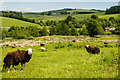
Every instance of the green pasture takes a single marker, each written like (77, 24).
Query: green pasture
(116, 16)
(7, 22)
(71, 61)
(60, 17)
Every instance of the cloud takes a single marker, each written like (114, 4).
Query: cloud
(61, 0)
(1, 1)
(28, 9)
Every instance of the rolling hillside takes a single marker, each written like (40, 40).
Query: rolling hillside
(60, 17)
(110, 15)
(7, 22)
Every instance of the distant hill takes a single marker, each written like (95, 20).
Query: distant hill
(108, 16)
(64, 11)
(7, 22)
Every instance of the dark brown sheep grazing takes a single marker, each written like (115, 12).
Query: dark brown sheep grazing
(16, 57)
(42, 44)
(92, 49)
(73, 41)
(105, 42)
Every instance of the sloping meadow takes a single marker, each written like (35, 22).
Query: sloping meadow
(68, 60)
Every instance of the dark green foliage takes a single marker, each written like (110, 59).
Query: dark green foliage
(49, 13)
(16, 15)
(20, 37)
(52, 30)
(74, 31)
(68, 19)
(117, 30)
(64, 12)
(111, 19)
(44, 31)
(62, 29)
(83, 12)
(113, 10)
(83, 31)
(21, 32)
(93, 27)
(94, 16)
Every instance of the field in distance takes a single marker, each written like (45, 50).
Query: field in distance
(7, 22)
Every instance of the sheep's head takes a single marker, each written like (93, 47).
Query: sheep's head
(87, 46)
(30, 51)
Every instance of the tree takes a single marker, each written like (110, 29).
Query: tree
(49, 13)
(69, 18)
(94, 16)
(62, 29)
(93, 27)
(74, 31)
(83, 31)
(44, 31)
(111, 19)
(52, 30)
(113, 10)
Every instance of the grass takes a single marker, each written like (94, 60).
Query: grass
(67, 62)
(60, 17)
(7, 22)
(116, 16)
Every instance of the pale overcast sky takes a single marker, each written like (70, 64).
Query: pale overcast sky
(46, 5)
(60, 0)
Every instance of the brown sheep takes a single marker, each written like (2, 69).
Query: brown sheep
(43, 49)
(92, 49)
(16, 57)
(42, 44)
(105, 42)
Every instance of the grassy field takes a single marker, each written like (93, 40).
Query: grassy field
(7, 22)
(60, 17)
(116, 16)
(71, 61)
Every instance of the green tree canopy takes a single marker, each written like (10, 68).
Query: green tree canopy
(93, 27)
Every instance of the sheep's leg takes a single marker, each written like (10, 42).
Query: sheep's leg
(4, 66)
(21, 66)
(24, 65)
(13, 66)
(8, 69)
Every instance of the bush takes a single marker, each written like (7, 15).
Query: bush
(94, 16)
(116, 32)
(107, 33)
(30, 38)
(20, 37)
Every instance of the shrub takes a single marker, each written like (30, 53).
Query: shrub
(30, 38)
(94, 16)
(107, 33)
(20, 37)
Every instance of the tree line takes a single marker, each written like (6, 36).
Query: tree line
(69, 27)
(16, 15)
(113, 10)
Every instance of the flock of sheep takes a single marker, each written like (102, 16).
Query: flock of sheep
(23, 56)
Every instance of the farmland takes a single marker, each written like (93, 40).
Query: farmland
(60, 17)
(7, 22)
(64, 35)
(70, 60)
(108, 16)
